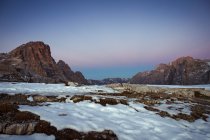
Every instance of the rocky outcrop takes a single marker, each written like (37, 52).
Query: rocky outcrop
(32, 62)
(69, 74)
(183, 71)
(144, 89)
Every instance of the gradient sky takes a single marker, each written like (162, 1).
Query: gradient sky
(109, 38)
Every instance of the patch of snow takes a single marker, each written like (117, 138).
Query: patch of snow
(26, 137)
(50, 89)
(96, 98)
(174, 108)
(68, 100)
(125, 121)
(207, 86)
(30, 98)
(61, 96)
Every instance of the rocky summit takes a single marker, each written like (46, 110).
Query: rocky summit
(183, 71)
(32, 62)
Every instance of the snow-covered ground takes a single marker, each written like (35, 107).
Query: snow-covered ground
(61, 89)
(207, 86)
(175, 107)
(126, 122)
(50, 89)
(27, 137)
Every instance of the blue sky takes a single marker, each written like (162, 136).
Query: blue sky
(109, 38)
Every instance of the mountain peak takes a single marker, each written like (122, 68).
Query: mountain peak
(182, 71)
(33, 61)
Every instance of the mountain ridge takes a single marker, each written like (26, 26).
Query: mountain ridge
(182, 71)
(32, 62)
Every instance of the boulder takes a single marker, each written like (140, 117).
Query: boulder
(73, 84)
(20, 128)
(40, 98)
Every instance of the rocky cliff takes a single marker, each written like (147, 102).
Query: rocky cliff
(32, 62)
(69, 74)
(183, 71)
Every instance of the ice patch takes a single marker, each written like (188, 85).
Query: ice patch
(30, 98)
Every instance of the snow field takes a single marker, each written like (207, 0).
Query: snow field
(126, 122)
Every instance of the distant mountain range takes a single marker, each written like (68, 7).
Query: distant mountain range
(108, 81)
(182, 71)
(32, 62)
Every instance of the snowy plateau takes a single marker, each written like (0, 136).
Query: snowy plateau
(129, 121)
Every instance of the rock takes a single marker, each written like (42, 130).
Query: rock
(164, 114)
(151, 108)
(25, 116)
(32, 62)
(40, 98)
(73, 84)
(182, 116)
(79, 98)
(75, 77)
(20, 128)
(183, 71)
(137, 88)
(110, 101)
(2, 126)
(104, 135)
(149, 102)
(7, 107)
(14, 99)
(45, 127)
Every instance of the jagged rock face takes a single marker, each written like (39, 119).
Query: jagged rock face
(36, 57)
(183, 71)
(31, 62)
(66, 70)
(69, 74)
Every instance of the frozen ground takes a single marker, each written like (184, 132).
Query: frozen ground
(131, 122)
(126, 122)
(50, 89)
